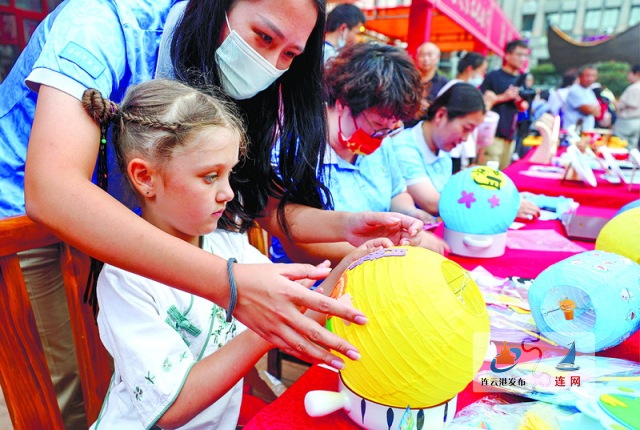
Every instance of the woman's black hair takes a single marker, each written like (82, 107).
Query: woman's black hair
(290, 111)
(472, 59)
(459, 100)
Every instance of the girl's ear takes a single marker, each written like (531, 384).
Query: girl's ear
(142, 176)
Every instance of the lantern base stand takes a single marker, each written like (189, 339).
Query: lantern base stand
(476, 245)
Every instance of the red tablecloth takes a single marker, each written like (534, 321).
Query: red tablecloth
(604, 195)
(287, 412)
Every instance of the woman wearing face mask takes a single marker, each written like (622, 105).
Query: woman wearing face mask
(471, 69)
(370, 88)
(423, 151)
(112, 45)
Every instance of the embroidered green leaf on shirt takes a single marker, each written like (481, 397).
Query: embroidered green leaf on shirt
(166, 365)
(150, 378)
(223, 331)
(138, 393)
(183, 356)
(181, 323)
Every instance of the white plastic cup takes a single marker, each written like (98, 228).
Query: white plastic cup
(495, 165)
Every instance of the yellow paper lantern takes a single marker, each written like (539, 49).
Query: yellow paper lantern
(621, 235)
(427, 331)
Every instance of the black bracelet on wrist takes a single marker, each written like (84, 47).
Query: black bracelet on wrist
(233, 289)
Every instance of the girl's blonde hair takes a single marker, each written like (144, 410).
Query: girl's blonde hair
(155, 119)
(158, 117)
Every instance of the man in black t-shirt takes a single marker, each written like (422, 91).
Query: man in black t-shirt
(427, 61)
(504, 83)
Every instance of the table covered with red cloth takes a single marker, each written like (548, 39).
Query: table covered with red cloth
(287, 412)
(605, 194)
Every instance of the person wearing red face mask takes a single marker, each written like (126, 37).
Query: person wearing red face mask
(370, 89)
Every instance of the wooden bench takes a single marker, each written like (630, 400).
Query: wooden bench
(24, 374)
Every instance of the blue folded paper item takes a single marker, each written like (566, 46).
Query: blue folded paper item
(558, 205)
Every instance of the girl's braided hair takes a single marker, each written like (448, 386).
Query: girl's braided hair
(158, 117)
(155, 119)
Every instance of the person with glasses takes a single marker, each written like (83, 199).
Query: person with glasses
(267, 59)
(370, 89)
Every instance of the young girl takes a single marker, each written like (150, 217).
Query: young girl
(179, 359)
(264, 56)
(423, 151)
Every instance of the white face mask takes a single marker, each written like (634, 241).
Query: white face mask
(342, 41)
(243, 71)
(476, 80)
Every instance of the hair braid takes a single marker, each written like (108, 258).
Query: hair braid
(105, 112)
(150, 121)
(102, 110)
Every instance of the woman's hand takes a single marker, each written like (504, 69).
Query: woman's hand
(269, 303)
(528, 210)
(398, 228)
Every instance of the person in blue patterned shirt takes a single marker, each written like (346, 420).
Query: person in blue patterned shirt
(268, 60)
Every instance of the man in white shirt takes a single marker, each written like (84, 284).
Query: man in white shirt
(627, 126)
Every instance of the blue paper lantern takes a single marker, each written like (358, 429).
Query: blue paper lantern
(477, 206)
(591, 298)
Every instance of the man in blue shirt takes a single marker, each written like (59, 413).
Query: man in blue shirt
(581, 103)
(70, 52)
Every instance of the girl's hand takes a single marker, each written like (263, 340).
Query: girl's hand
(372, 245)
(269, 303)
(363, 226)
(330, 281)
(308, 283)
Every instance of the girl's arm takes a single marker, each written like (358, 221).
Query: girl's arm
(211, 377)
(59, 193)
